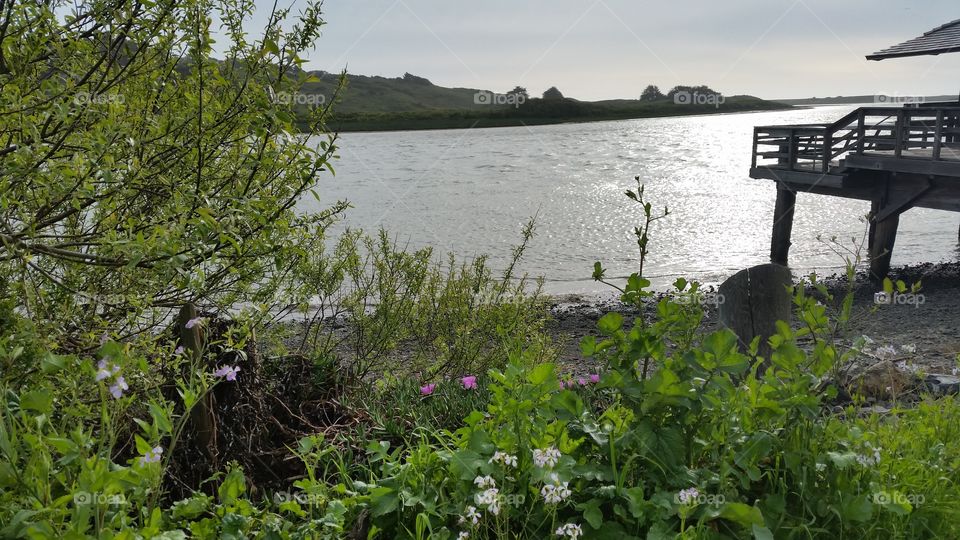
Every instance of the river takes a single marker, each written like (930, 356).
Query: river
(470, 191)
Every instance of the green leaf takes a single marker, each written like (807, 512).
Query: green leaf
(384, 501)
(540, 374)
(592, 513)
(40, 401)
(762, 533)
(610, 323)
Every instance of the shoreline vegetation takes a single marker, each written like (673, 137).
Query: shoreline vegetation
(572, 112)
(410, 102)
(151, 247)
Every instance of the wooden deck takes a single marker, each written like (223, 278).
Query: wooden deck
(897, 158)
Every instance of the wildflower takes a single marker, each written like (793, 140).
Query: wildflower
(485, 482)
(546, 458)
(910, 348)
(193, 322)
(688, 496)
(562, 385)
(469, 382)
(869, 460)
(594, 378)
(887, 352)
(152, 456)
(106, 369)
(471, 515)
(555, 492)
(582, 381)
(178, 351)
(908, 367)
(464, 535)
(230, 372)
(491, 499)
(505, 458)
(570, 529)
(118, 387)
(427, 389)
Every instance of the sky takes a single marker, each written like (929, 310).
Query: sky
(607, 49)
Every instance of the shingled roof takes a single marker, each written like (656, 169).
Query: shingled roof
(943, 39)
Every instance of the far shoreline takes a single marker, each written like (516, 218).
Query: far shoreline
(491, 122)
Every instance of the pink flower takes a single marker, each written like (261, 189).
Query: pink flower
(469, 382)
(562, 385)
(427, 389)
(582, 381)
(193, 322)
(230, 372)
(594, 378)
(179, 350)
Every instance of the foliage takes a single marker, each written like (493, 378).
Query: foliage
(651, 93)
(137, 172)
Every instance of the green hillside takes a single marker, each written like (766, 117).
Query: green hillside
(410, 102)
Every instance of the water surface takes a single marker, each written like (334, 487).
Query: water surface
(470, 191)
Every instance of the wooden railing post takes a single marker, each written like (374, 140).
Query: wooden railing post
(898, 134)
(827, 149)
(792, 150)
(861, 130)
(938, 136)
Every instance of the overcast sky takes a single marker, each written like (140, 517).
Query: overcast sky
(602, 49)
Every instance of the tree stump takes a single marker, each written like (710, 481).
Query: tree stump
(753, 301)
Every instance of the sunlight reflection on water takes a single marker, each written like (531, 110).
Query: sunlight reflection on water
(470, 191)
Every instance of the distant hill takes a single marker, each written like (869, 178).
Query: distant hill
(411, 102)
(878, 99)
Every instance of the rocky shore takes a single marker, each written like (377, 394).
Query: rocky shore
(910, 335)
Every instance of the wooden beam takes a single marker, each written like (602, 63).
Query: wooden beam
(883, 238)
(782, 225)
(902, 201)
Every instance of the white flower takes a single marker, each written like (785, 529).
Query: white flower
(570, 529)
(955, 371)
(463, 535)
(910, 348)
(555, 492)
(908, 367)
(887, 352)
(488, 496)
(472, 515)
(688, 496)
(867, 460)
(505, 458)
(485, 482)
(546, 458)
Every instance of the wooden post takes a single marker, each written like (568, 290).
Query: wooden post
(753, 300)
(884, 235)
(202, 414)
(874, 210)
(782, 225)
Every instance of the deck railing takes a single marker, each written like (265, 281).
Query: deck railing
(930, 132)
